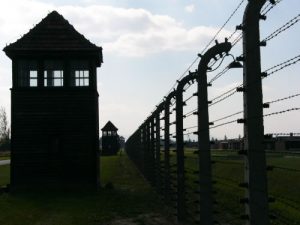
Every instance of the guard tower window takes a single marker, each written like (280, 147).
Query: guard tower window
(81, 78)
(53, 74)
(80, 75)
(27, 73)
(33, 78)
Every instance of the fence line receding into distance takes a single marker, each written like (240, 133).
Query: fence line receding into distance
(250, 179)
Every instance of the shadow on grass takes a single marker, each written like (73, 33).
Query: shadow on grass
(130, 197)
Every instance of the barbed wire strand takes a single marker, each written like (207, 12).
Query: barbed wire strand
(272, 70)
(189, 98)
(192, 132)
(237, 40)
(284, 134)
(226, 92)
(269, 7)
(190, 113)
(222, 99)
(266, 6)
(232, 34)
(222, 124)
(195, 60)
(219, 75)
(283, 99)
(221, 28)
(270, 102)
(281, 66)
(187, 128)
(265, 115)
(226, 117)
(281, 112)
(283, 28)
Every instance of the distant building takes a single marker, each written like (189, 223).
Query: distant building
(54, 107)
(285, 142)
(110, 139)
(275, 142)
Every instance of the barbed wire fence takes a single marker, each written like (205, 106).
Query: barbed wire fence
(239, 180)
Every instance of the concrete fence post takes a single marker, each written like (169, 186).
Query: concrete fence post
(205, 174)
(157, 151)
(256, 194)
(181, 185)
(167, 175)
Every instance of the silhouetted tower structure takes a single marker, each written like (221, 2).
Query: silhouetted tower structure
(54, 107)
(110, 139)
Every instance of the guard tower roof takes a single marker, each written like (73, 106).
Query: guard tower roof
(109, 126)
(53, 33)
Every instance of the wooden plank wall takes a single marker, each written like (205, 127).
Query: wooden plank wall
(55, 137)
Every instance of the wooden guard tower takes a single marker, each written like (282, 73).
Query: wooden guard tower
(54, 107)
(110, 139)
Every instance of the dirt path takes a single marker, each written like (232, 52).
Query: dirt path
(144, 219)
(4, 162)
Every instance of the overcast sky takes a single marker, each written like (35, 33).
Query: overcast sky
(147, 45)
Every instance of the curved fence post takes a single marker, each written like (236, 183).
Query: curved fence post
(181, 207)
(157, 150)
(143, 156)
(256, 202)
(148, 150)
(167, 175)
(205, 180)
(152, 151)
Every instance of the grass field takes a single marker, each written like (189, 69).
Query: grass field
(228, 172)
(4, 155)
(131, 197)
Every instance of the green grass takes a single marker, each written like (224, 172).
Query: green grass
(130, 198)
(284, 185)
(4, 155)
(228, 172)
(4, 175)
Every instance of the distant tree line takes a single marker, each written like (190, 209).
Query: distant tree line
(4, 131)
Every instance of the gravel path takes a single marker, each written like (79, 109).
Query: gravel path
(4, 162)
